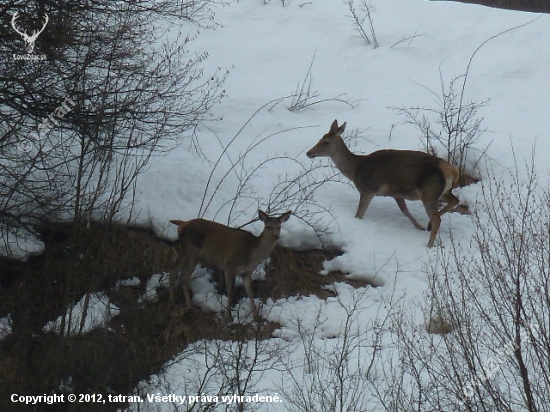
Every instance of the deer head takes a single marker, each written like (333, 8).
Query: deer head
(29, 40)
(330, 143)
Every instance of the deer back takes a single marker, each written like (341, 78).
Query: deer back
(219, 247)
(399, 173)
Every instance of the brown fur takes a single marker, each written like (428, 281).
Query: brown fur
(401, 174)
(181, 225)
(450, 172)
(233, 251)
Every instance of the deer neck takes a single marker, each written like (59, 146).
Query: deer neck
(346, 161)
(264, 245)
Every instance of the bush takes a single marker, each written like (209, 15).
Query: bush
(494, 296)
(78, 127)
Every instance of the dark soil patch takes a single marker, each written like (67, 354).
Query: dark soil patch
(293, 273)
(82, 260)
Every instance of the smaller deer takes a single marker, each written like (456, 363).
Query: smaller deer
(233, 251)
(401, 174)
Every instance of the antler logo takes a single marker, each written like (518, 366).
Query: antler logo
(29, 40)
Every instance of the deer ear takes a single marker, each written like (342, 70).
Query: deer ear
(284, 217)
(334, 127)
(342, 128)
(262, 215)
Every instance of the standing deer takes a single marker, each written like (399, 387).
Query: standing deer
(29, 40)
(401, 174)
(232, 251)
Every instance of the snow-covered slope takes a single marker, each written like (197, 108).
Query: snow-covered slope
(269, 49)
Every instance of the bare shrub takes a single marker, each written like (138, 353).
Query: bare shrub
(406, 39)
(453, 125)
(291, 191)
(494, 293)
(224, 372)
(132, 94)
(359, 17)
(338, 372)
(305, 96)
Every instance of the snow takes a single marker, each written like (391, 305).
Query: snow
(5, 327)
(96, 313)
(134, 281)
(268, 49)
(155, 281)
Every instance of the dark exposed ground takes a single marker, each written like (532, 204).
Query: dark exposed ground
(539, 6)
(142, 337)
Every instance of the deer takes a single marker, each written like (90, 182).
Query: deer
(401, 174)
(235, 252)
(29, 40)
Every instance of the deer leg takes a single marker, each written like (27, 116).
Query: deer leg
(451, 201)
(435, 220)
(364, 200)
(174, 273)
(247, 281)
(229, 286)
(186, 284)
(222, 280)
(184, 269)
(403, 207)
(435, 216)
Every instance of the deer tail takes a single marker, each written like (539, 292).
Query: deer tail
(180, 224)
(456, 176)
(451, 175)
